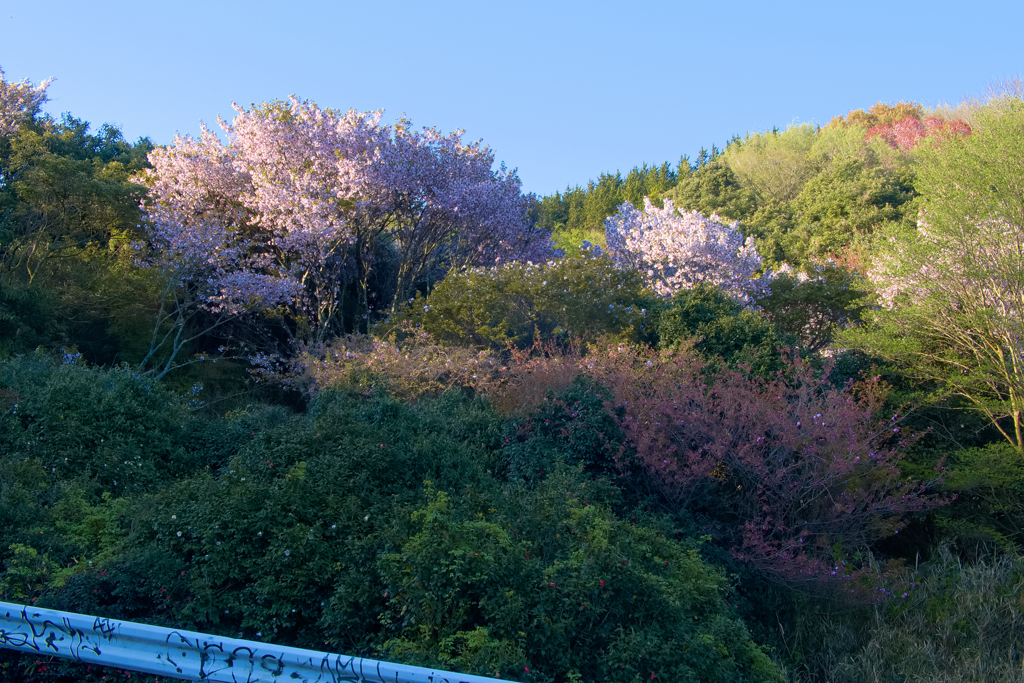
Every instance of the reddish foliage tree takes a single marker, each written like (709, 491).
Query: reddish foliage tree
(908, 131)
(802, 475)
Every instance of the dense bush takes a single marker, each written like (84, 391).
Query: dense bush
(800, 477)
(719, 327)
(600, 599)
(113, 429)
(76, 444)
(815, 305)
(372, 527)
(580, 297)
(408, 368)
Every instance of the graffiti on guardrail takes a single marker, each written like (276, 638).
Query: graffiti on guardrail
(195, 656)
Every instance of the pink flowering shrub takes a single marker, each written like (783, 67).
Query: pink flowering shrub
(797, 476)
(801, 475)
(679, 250)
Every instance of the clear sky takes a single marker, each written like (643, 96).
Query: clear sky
(560, 90)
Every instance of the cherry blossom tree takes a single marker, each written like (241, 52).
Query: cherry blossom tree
(301, 201)
(19, 101)
(434, 201)
(680, 249)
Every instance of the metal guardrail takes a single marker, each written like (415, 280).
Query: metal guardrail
(191, 656)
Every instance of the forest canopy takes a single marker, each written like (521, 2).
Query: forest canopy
(322, 381)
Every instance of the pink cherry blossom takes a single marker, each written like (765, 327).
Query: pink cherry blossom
(679, 250)
(907, 132)
(301, 201)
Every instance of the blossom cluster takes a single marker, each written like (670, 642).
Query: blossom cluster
(681, 249)
(19, 101)
(299, 201)
(976, 267)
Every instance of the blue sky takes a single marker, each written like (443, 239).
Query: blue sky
(560, 90)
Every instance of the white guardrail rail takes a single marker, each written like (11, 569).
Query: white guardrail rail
(190, 656)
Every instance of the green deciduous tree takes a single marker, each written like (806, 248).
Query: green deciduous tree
(953, 289)
(63, 189)
(816, 305)
(843, 204)
(775, 165)
(67, 216)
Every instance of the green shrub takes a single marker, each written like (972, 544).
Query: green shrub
(78, 446)
(113, 428)
(549, 585)
(719, 327)
(321, 532)
(580, 297)
(988, 513)
(812, 307)
(570, 427)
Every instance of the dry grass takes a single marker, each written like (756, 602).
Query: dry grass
(530, 374)
(408, 369)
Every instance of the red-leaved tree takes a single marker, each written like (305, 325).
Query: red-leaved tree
(799, 475)
(907, 132)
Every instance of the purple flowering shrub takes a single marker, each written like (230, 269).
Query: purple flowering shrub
(806, 475)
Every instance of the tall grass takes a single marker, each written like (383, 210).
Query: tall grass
(961, 622)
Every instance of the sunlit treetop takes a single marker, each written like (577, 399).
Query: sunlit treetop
(881, 114)
(19, 101)
(901, 125)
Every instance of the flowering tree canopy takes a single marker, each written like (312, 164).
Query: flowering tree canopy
(908, 131)
(680, 249)
(19, 101)
(302, 201)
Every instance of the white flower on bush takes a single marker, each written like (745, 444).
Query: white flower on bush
(681, 249)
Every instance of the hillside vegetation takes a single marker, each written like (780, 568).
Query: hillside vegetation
(325, 382)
